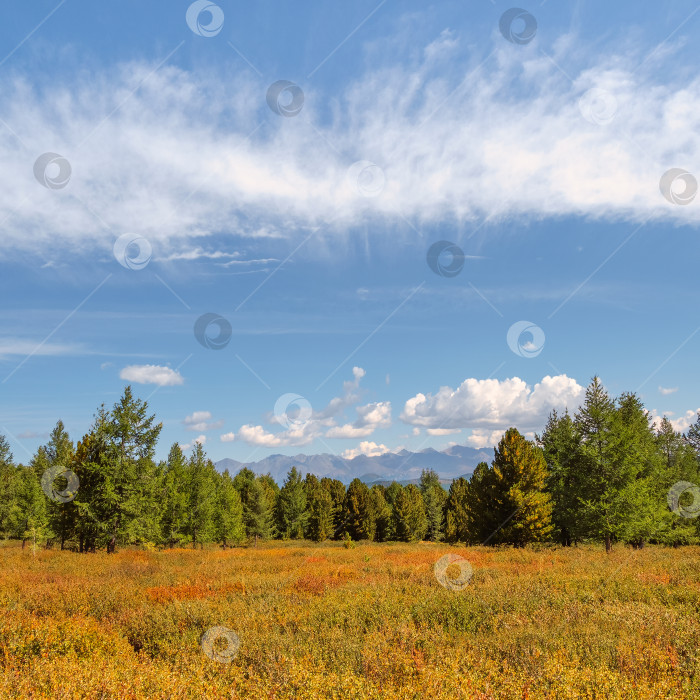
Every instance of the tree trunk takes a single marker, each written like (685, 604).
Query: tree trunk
(608, 543)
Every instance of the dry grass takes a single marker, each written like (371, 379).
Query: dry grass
(322, 621)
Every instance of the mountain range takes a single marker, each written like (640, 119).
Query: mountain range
(403, 466)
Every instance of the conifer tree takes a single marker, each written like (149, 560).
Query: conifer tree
(434, 498)
(228, 512)
(516, 509)
(410, 522)
(319, 525)
(292, 512)
(456, 514)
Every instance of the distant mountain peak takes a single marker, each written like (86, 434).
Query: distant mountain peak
(403, 466)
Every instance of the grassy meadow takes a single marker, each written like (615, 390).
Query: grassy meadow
(372, 621)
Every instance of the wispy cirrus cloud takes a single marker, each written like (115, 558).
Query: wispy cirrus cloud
(185, 162)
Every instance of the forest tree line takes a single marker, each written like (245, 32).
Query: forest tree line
(604, 474)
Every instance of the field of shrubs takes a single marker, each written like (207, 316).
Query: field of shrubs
(365, 620)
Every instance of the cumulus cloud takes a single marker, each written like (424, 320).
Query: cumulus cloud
(370, 417)
(541, 151)
(666, 391)
(227, 437)
(151, 374)
(201, 440)
(493, 403)
(324, 423)
(368, 449)
(442, 431)
(680, 424)
(199, 422)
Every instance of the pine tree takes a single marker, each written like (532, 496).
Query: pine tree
(410, 522)
(360, 519)
(516, 509)
(336, 489)
(434, 498)
(228, 512)
(595, 422)
(201, 498)
(679, 464)
(692, 437)
(456, 514)
(292, 514)
(175, 498)
(257, 514)
(319, 525)
(383, 514)
(561, 443)
(58, 452)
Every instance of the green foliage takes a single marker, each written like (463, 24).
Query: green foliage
(456, 515)
(434, 498)
(292, 514)
(604, 474)
(507, 502)
(360, 518)
(410, 521)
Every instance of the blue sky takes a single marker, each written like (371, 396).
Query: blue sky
(541, 161)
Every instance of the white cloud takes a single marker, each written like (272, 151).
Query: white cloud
(258, 436)
(368, 449)
(665, 392)
(227, 437)
(199, 422)
(680, 424)
(484, 438)
(535, 155)
(370, 417)
(493, 403)
(202, 439)
(442, 431)
(24, 347)
(151, 374)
